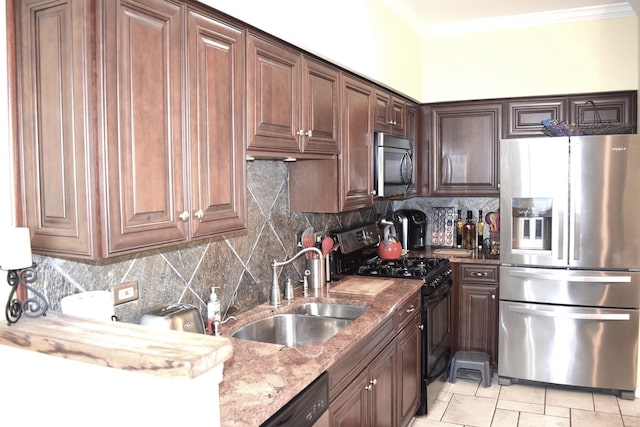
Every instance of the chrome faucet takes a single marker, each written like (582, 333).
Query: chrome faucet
(275, 299)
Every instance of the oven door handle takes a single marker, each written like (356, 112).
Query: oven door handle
(564, 315)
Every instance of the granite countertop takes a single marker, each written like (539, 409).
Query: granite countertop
(475, 256)
(260, 378)
(135, 348)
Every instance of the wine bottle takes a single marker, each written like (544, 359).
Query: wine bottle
(469, 232)
(480, 229)
(459, 225)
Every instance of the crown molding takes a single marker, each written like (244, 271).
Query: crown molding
(590, 13)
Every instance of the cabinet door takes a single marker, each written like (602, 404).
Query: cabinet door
(525, 116)
(273, 96)
(390, 114)
(215, 53)
(56, 134)
(479, 319)
(409, 370)
(465, 142)
(320, 103)
(356, 170)
(609, 108)
(382, 388)
(143, 140)
(351, 408)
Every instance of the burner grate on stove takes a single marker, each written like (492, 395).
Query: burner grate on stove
(417, 268)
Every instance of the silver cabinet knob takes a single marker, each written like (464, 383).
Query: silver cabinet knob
(309, 133)
(300, 132)
(199, 214)
(184, 216)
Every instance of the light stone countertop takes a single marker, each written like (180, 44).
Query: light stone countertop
(261, 378)
(135, 348)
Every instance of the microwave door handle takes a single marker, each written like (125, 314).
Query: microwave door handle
(406, 163)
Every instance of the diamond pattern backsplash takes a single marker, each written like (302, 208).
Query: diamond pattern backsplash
(239, 263)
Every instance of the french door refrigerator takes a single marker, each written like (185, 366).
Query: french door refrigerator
(570, 261)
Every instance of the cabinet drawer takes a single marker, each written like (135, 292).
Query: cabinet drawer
(405, 313)
(479, 273)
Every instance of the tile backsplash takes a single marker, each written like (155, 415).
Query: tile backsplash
(238, 263)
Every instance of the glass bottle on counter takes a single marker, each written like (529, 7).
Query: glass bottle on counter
(480, 229)
(459, 226)
(469, 232)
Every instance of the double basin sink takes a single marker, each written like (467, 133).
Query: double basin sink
(305, 325)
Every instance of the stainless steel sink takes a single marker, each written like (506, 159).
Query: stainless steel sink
(308, 324)
(338, 311)
(293, 330)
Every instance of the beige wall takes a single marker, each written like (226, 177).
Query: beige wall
(360, 35)
(589, 56)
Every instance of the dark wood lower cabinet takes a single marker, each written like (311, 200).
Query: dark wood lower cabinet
(477, 309)
(378, 383)
(409, 349)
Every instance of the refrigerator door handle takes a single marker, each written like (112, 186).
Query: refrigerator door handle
(560, 234)
(572, 278)
(564, 315)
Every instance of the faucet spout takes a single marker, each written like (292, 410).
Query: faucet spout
(276, 299)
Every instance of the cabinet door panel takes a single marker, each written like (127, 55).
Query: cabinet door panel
(215, 70)
(610, 108)
(383, 390)
(409, 368)
(56, 127)
(465, 140)
(351, 407)
(143, 142)
(479, 319)
(321, 91)
(525, 116)
(273, 93)
(357, 140)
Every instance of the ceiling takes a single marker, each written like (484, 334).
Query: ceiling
(445, 17)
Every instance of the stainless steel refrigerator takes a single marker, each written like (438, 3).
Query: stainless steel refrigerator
(570, 261)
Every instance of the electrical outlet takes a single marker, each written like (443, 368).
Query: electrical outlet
(125, 292)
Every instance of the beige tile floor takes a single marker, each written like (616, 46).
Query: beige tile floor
(467, 403)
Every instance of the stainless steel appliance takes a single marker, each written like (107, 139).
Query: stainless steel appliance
(393, 170)
(357, 256)
(411, 228)
(570, 270)
(307, 409)
(178, 317)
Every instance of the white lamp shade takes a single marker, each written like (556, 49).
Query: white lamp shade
(15, 248)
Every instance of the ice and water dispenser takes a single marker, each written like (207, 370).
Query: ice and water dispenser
(532, 223)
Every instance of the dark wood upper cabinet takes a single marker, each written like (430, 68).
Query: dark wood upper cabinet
(346, 183)
(56, 129)
(293, 101)
(132, 140)
(273, 96)
(320, 107)
(215, 70)
(525, 116)
(143, 150)
(465, 142)
(613, 107)
(356, 161)
(390, 114)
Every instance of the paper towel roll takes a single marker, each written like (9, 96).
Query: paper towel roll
(92, 304)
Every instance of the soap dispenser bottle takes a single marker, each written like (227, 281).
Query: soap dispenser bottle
(213, 313)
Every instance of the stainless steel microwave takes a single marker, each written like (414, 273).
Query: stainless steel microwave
(393, 168)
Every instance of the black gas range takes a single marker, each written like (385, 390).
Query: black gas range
(357, 255)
